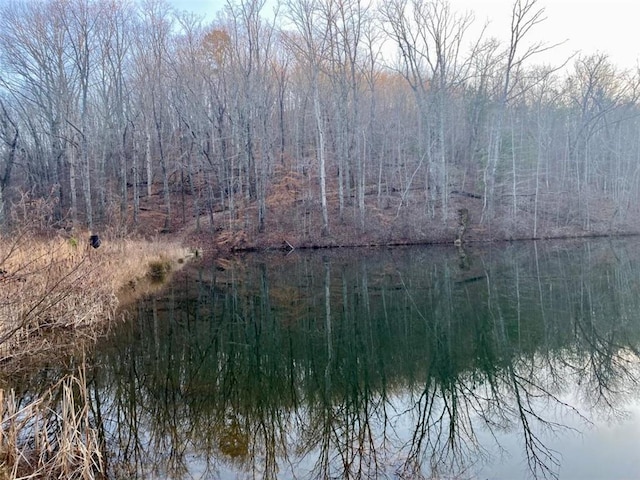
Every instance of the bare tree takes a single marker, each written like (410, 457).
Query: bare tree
(525, 16)
(114, 112)
(253, 40)
(597, 94)
(9, 135)
(152, 56)
(36, 71)
(310, 44)
(430, 38)
(79, 18)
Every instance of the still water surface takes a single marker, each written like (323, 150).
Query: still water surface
(503, 362)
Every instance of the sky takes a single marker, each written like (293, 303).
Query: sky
(588, 26)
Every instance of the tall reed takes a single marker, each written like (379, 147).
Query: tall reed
(51, 435)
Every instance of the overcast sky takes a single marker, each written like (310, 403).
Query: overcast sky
(609, 26)
(591, 26)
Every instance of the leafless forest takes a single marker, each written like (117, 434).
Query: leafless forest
(317, 122)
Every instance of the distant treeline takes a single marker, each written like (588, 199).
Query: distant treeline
(320, 114)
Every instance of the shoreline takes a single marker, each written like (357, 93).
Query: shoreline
(56, 296)
(287, 246)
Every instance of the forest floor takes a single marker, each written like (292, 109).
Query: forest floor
(292, 222)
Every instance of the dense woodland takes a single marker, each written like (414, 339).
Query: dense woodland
(314, 122)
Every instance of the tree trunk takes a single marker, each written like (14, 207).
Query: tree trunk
(136, 185)
(72, 187)
(321, 156)
(1, 209)
(147, 158)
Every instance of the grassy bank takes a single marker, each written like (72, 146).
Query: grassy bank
(57, 297)
(57, 292)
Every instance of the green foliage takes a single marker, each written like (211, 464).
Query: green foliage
(158, 270)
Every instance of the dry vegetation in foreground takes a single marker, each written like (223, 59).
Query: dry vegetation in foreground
(55, 292)
(57, 296)
(51, 436)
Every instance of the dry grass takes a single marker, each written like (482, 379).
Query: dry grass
(52, 435)
(59, 292)
(56, 296)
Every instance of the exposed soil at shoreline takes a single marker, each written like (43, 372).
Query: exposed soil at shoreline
(286, 229)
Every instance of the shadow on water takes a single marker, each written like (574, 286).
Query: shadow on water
(403, 363)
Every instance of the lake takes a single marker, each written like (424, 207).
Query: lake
(506, 361)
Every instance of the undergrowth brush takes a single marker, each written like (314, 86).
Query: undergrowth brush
(57, 297)
(50, 435)
(57, 291)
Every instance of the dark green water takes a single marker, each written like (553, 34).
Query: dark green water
(512, 361)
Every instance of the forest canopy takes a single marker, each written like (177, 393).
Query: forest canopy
(320, 119)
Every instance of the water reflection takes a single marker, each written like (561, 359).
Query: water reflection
(404, 363)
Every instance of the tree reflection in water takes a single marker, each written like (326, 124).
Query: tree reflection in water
(393, 363)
